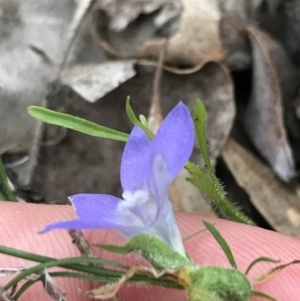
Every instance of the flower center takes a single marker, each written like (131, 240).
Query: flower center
(139, 203)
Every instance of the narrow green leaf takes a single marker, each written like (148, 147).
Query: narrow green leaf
(161, 256)
(135, 121)
(75, 123)
(214, 190)
(5, 192)
(130, 112)
(260, 259)
(222, 242)
(43, 259)
(23, 288)
(71, 263)
(263, 295)
(200, 120)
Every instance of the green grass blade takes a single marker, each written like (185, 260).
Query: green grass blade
(75, 123)
(222, 242)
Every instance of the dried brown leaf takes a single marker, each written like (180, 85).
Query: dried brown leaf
(4, 296)
(123, 12)
(273, 272)
(155, 115)
(10, 271)
(93, 81)
(110, 290)
(82, 8)
(278, 205)
(51, 287)
(264, 117)
(197, 40)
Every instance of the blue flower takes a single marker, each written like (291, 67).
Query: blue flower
(147, 170)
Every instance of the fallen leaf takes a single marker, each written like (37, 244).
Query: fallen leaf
(4, 295)
(184, 46)
(273, 272)
(197, 40)
(263, 118)
(51, 287)
(31, 35)
(93, 81)
(279, 205)
(122, 12)
(10, 271)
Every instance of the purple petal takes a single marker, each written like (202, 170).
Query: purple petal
(75, 224)
(159, 182)
(165, 222)
(98, 211)
(135, 161)
(95, 208)
(93, 211)
(175, 139)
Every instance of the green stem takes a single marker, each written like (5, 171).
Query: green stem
(207, 187)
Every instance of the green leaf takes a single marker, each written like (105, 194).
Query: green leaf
(222, 242)
(263, 295)
(200, 120)
(75, 123)
(211, 186)
(260, 259)
(132, 117)
(161, 256)
(130, 112)
(5, 192)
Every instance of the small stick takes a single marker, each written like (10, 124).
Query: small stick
(81, 243)
(85, 250)
(155, 114)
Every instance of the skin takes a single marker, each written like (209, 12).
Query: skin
(21, 222)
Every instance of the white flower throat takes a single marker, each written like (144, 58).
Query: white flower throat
(139, 204)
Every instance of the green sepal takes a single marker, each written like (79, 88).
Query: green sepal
(222, 242)
(263, 295)
(156, 252)
(215, 284)
(75, 123)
